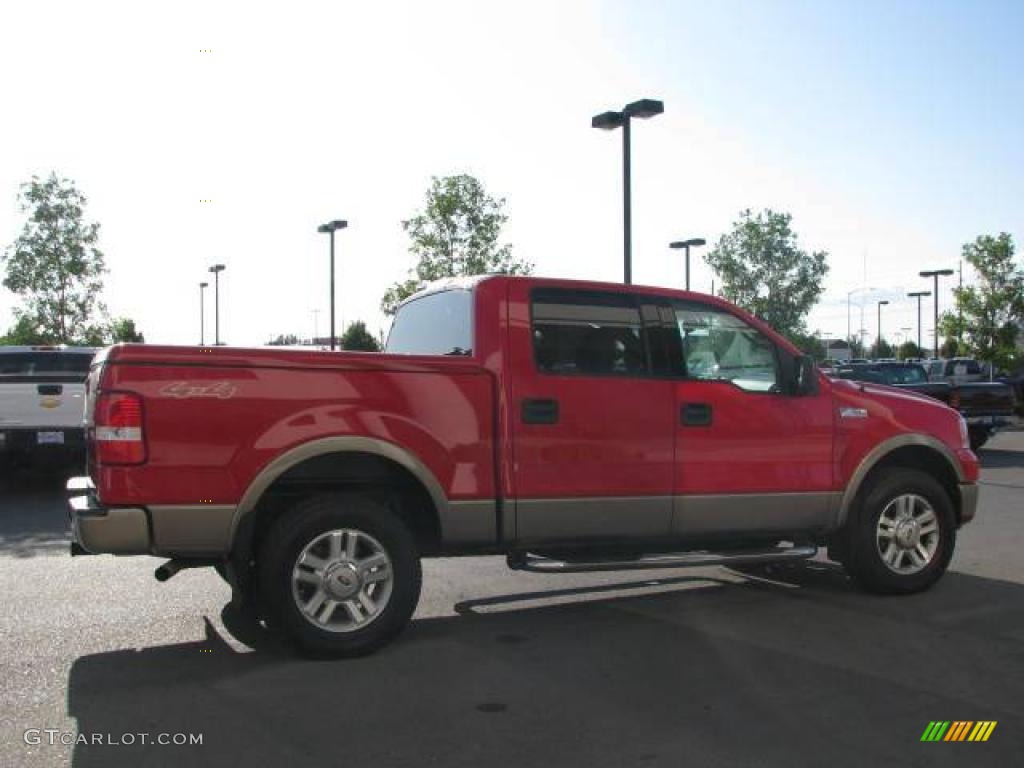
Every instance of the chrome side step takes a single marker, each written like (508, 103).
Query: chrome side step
(527, 561)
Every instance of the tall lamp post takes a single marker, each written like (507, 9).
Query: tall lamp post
(330, 228)
(935, 274)
(878, 341)
(216, 269)
(695, 241)
(609, 121)
(849, 295)
(202, 313)
(917, 295)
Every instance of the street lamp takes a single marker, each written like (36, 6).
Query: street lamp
(331, 227)
(849, 294)
(935, 273)
(202, 313)
(609, 121)
(878, 340)
(696, 241)
(918, 295)
(216, 269)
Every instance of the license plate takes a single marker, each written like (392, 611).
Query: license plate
(49, 438)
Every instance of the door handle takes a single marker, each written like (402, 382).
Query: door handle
(695, 415)
(540, 411)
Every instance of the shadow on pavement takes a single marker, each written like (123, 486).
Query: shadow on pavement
(33, 515)
(793, 667)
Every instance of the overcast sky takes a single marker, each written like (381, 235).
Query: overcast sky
(890, 130)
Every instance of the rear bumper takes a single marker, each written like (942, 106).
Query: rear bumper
(101, 530)
(200, 530)
(968, 502)
(26, 441)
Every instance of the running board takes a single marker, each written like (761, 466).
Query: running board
(526, 561)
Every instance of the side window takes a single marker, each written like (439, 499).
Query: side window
(584, 333)
(718, 345)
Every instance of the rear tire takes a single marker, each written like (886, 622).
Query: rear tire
(900, 537)
(339, 574)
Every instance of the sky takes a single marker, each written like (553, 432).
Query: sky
(891, 131)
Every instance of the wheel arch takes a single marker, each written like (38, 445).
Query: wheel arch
(913, 450)
(336, 462)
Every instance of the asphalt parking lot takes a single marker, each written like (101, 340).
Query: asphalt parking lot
(699, 667)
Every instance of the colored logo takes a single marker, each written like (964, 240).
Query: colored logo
(50, 402)
(958, 730)
(184, 390)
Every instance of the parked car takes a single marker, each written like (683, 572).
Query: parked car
(985, 406)
(42, 396)
(572, 426)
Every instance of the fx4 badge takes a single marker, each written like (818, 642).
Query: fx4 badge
(184, 390)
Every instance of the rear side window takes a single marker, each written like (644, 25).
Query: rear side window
(587, 333)
(66, 366)
(435, 324)
(909, 374)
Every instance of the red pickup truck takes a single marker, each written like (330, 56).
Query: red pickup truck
(568, 425)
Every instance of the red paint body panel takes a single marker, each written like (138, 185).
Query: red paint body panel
(211, 447)
(215, 417)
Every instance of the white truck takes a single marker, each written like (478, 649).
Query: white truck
(42, 403)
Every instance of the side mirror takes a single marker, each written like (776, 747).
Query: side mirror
(805, 376)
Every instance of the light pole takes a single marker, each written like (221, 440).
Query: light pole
(849, 295)
(609, 121)
(331, 227)
(695, 241)
(202, 313)
(935, 273)
(216, 269)
(918, 295)
(878, 340)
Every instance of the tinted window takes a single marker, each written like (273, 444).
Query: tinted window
(904, 374)
(718, 345)
(436, 324)
(587, 333)
(43, 364)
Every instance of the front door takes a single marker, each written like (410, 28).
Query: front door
(750, 457)
(592, 428)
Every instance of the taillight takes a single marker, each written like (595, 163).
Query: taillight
(118, 431)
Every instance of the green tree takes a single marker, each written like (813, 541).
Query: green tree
(122, 329)
(856, 346)
(810, 344)
(357, 339)
(884, 349)
(457, 233)
(909, 349)
(989, 314)
(763, 270)
(55, 265)
(952, 348)
(25, 333)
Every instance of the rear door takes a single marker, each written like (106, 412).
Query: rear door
(750, 457)
(592, 427)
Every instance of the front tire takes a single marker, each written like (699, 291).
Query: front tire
(339, 574)
(901, 536)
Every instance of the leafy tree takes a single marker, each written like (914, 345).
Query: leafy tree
(54, 264)
(810, 344)
(123, 329)
(457, 233)
(25, 333)
(952, 348)
(856, 346)
(763, 270)
(284, 340)
(357, 339)
(909, 349)
(989, 314)
(884, 349)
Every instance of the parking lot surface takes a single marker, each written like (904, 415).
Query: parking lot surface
(705, 667)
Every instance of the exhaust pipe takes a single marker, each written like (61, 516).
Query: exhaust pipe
(171, 567)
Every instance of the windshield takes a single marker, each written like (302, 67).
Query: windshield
(435, 324)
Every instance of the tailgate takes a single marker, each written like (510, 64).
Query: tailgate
(986, 399)
(41, 403)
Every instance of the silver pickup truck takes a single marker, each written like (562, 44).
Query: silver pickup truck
(42, 403)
